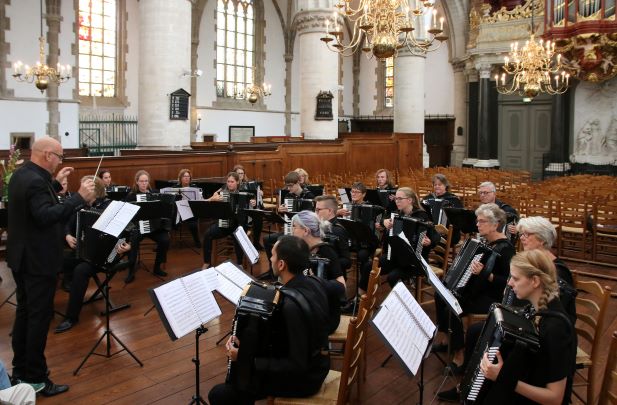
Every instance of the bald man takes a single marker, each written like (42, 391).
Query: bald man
(34, 255)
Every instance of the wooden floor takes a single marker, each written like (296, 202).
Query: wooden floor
(168, 375)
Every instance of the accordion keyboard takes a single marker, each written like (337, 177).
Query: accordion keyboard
(479, 377)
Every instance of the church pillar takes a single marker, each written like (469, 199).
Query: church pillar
(461, 129)
(487, 130)
(53, 18)
(164, 55)
(559, 128)
(319, 71)
(409, 96)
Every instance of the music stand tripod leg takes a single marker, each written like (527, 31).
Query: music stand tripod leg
(447, 371)
(197, 399)
(108, 334)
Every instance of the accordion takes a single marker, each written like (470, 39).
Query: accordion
(94, 246)
(156, 212)
(239, 202)
(511, 220)
(435, 207)
(413, 229)
(299, 204)
(503, 329)
(460, 273)
(254, 328)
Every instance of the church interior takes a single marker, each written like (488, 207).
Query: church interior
(274, 85)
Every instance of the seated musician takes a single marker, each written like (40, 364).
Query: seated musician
(64, 192)
(304, 177)
(441, 190)
(159, 236)
(483, 288)
(84, 270)
(217, 232)
(544, 377)
(363, 249)
(257, 222)
(296, 364)
(325, 208)
(488, 195)
(384, 181)
(293, 185)
(184, 180)
(105, 175)
(408, 205)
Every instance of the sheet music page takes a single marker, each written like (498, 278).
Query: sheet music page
(211, 277)
(184, 210)
(246, 245)
(177, 308)
(428, 327)
(441, 289)
(116, 217)
(404, 237)
(343, 194)
(228, 289)
(200, 292)
(234, 274)
(399, 337)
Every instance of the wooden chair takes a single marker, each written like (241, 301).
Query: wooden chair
(574, 239)
(605, 233)
(608, 391)
(591, 305)
(438, 259)
(336, 388)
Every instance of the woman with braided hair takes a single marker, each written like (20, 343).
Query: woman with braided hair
(548, 373)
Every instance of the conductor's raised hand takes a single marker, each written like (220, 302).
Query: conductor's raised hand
(86, 190)
(64, 173)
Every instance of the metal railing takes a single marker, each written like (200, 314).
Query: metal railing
(107, 135)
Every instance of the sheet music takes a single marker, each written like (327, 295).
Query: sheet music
(205, 305)
(184, 210)
(211, 277)
(343, 194)
(246, 245)
(405, 326)
(441, 289)
(177, 308)
(116, 217)
(232, 281)
(260, 197)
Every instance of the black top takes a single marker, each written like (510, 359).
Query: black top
(452, 202)
(557, 356)
(507, 208)
(332, 270)
(297, 368)
(341, 245)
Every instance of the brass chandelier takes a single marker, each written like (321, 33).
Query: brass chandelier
(532, 69)
(385, 26)
(40, 73)
(254, 92)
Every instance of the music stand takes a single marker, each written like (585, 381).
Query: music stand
(197, 399)
(462, 218)
(211, 209)
(358, 232)
(372, 197)
(265, 215)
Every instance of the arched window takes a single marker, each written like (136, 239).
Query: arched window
(389, 83)
(98, 52)
(235, 47)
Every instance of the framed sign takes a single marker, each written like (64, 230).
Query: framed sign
(241, 133)
(323, 111)
(179, 105)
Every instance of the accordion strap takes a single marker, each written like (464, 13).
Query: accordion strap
(307, 313)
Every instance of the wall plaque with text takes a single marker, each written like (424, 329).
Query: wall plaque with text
(324, 106)
(179, 105)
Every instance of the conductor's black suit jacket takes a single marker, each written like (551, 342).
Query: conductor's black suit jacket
(36, 219)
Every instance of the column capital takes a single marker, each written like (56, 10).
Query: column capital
(310, 21)
(413, 52)
(484, 70)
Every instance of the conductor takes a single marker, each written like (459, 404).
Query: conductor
(34, 254)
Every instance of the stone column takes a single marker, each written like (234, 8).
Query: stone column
(288, 77)
(164, 54)
(461, 130)
(485, 135)
(409, 95)
(319, 70)
(53, 18)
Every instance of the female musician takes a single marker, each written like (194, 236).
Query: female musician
(441, 190)
(257, 221)
(64, 192)
(384, 181)
(304, 177)
(232, 185)
(83, 270)
(482, 289)
(184, 180)
(105, 175)
(307, 226)
(159, 236)
(548, 377)
(408, 205)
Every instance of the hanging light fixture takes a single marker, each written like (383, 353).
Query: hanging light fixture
(385, 26)
(533, 69)
(253, 92)
(40, 73)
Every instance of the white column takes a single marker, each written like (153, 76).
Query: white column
(164, 54)
(409, 96)
(318, 72)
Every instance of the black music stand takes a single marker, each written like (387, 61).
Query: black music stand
(104, 285)
(462, 218)
(108, 334)
(358, 232)
(118, 195)
(197, 399)
(211, 209)
(372, 197)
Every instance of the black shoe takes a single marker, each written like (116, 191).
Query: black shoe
(439, 348)
(158, 272)
(52, 389)
(451, 395)
(65, 325)
(130, 277)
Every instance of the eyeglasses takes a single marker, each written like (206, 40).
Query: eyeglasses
(240, 173)
(482, 221)
(526, 234)
(401, 198)
(59, 156)
(356, 192)
(485, 192)
(320, 209)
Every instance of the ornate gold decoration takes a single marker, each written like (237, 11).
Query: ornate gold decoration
(517, 13)
(590, 57)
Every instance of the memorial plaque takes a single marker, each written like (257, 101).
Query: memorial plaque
(179, 105)
(324, 106)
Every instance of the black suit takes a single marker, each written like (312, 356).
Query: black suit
(34, 254)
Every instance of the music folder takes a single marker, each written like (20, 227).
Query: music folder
(405, 328)
(211, 209)
(186, 303)
(116, 217)
(462, 218)
(358, 231)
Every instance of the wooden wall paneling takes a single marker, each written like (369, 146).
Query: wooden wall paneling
(409, 151)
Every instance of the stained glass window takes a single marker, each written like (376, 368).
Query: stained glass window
(97, 48)
(235, 54)
(389, 82)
